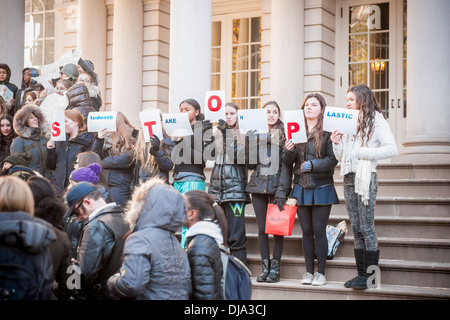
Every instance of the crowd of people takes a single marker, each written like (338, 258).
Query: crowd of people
(107, 215)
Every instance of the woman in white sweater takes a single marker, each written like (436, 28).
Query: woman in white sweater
(359, 156)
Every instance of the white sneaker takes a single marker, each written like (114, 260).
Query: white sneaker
(307, 278)
(319, 279)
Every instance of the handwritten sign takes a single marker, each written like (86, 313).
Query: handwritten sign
(215, 105)
(58, 127)
(97, 121)
(294, 125)
(177, 124)
(253, 119)
(151, 124)
(341, 119)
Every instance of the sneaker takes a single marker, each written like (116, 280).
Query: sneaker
(319, 279)
(307, 278)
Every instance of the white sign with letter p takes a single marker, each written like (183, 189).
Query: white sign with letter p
(294, 125)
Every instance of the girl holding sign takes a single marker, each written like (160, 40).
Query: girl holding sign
(229, 179)
(359, 156)
(313, 163)
(263, 184)
(61, 155)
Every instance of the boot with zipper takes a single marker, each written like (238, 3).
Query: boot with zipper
(274, 274)
(370, 258)
(265, 264)
(359, 267)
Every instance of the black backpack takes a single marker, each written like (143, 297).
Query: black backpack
(236, 282)
(17, 282)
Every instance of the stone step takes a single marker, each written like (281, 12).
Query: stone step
(385, 226)
(288, 289)
(392, 272)
(428, 250)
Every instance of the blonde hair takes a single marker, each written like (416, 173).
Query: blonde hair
(15, 195)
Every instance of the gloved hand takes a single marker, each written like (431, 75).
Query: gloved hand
(222, 126)
(280, 203)
(155, 142)
(206, 125)
(306, 166)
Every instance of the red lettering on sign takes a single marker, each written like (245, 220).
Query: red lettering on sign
(56, 131)
(149, 125)
(292, 127)
(219, 103)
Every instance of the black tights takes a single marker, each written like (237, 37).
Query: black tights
(260, 202)
(313, 220)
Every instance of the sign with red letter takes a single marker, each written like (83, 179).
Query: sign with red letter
(215, 105)
(151, 124)
(294, 126)
(58, 128)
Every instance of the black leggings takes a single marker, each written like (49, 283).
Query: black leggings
(260, 202)
(313, 220)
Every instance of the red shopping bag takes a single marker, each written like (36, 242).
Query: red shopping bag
(279, 222)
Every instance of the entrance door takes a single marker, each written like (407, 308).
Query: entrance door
(374, 51)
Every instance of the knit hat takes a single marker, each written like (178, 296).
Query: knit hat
(19, 159)
(71, 70)
(89, 174)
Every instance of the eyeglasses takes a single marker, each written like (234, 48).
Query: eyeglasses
(75, 211)
(84, 81)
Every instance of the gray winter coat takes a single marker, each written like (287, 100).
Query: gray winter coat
(154, 264)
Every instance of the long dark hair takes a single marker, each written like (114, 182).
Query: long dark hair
(208, 209)
(367, 104)
(317, 133)
(196, 105)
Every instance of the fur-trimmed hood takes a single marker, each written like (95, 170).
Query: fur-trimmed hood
(156, 204)
(20, 122)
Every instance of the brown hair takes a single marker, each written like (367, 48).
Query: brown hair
(122, 139)
(76, 116)
(317, 133)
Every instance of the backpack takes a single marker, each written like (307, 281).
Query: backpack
(236, 282)
(17, 282)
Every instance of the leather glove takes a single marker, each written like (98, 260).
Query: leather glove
(280, 203)
(155, 142)
(306, 166)
(223, 126)
(206, 125)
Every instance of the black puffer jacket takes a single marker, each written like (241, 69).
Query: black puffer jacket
(25, 241)
(62, 157)
(322, 168)
(205, 260)
(79, 99)
(228, 179)
(266, 174)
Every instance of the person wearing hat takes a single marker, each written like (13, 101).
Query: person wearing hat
(100, 246)
(69, 71)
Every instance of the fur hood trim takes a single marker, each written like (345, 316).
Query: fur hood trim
(20, 122)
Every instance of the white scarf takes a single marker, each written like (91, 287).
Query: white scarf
(362, 180)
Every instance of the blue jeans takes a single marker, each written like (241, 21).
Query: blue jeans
(361, 216)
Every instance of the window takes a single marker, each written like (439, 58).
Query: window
(236, 59)
(39, 32)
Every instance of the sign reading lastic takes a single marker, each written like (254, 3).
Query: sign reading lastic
(341, 119)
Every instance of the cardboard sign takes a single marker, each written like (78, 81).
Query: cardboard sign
(151, 124)
(294, 126)
(342, 119)
(215, 106)
(253, 119)
(58, 126)
(177, 124)
(97, 121)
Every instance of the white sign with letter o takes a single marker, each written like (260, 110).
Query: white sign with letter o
(215, 105)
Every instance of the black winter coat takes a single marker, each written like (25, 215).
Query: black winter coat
(266, 171)
(206, 265)
(62, 157)
(79, 99)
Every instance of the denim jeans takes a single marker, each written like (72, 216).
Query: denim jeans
(361, 216)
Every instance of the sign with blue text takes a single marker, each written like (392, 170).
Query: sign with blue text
(97, 121)
(253, 119)
(341, 119)
(177, 124)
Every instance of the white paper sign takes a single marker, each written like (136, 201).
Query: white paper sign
(97, 121)
(342, 119)
(215, 106)
(177, 124)
(58, 126)
(54, 103)
(253, 119)
(151, 124)
(6, 93)
(294, 126)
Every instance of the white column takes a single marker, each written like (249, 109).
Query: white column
(428, 80)
(92, 36)
(287, 52)
(12, 26)
(127, 58)
(190, 51)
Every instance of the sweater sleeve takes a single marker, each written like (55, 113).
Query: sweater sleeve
(384, 145)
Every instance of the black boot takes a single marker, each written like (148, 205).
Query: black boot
(359, 267)
(265, 264)
(370, 258)
(274, 275)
